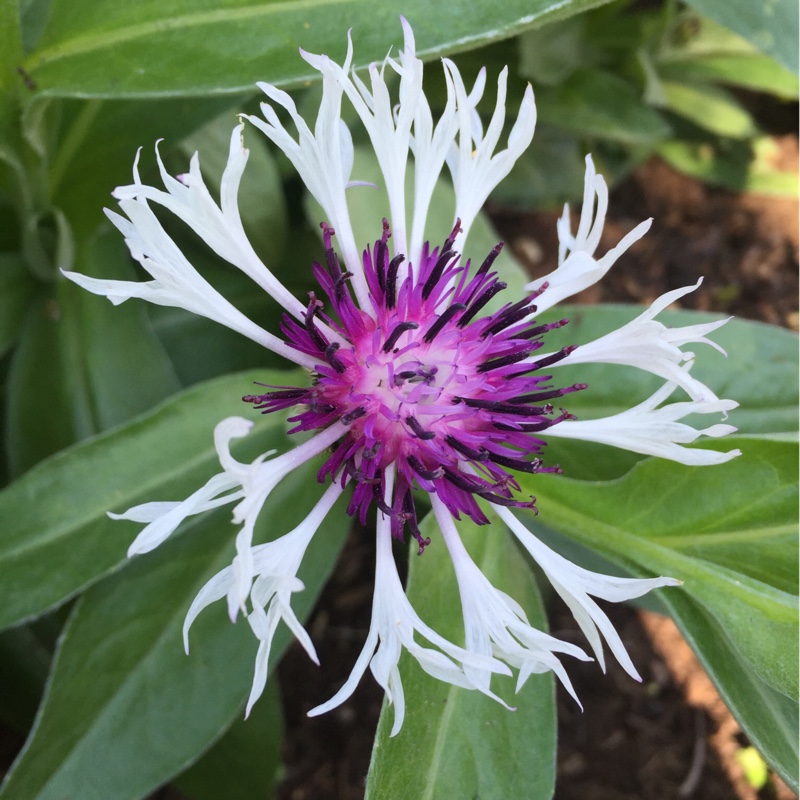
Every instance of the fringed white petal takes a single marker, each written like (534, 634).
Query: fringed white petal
(388, 128)
(574, 584)
(249, 484)
(175, 281)
(147, 512)
(324, 158)
(263, 626)
(654, 431)
(431, 146)
(495, 624)
(257, 481)
(577, 268)
(393, 627)
(275, 565)
(163, 518)
(649, 345)
(475, 167)
(219, 226)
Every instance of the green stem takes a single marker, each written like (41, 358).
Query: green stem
(75, 137)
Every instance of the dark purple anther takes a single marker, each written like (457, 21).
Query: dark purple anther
(391, 280)
(440, 323)
(418, 430)
(398, 331)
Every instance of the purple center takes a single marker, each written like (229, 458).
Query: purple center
(426, 383)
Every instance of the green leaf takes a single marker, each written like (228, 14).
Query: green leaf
(10, 44)
(58, 547)
(734, 548)
(24, 662)
(728, 531)
(83, 365)
(756, 72)
(112, 49)
(34, 14)
(743, 167)
(459, 743)
(770, 26)
(550, 54)
(245, 763)
(769, 717)
(41, 119)
(122, 691)
(709, 107)
(17, 287)
(601, 104)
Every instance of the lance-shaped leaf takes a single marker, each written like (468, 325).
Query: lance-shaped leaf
(61, 540)
(461, 743)
(730, 533)
(112, 49)
(126, 709)
(81, 366)
(771, 27)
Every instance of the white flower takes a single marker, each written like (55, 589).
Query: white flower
(413, 390)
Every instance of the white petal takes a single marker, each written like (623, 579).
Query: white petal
(654, 431)
(264, 628)
(175, 281)
(475, 167)
(214, 589)
(574, 584)
(163, 526)
(324, 158)
(275, 566)
(577, 267)
(649, 345)
(349, 686)
(493, 622)
(393, 627)
(147, 512)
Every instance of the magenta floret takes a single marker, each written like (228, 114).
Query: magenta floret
(427, 384)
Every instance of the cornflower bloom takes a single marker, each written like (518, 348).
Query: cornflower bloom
(415, 387)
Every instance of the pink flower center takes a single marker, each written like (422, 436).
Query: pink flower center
(451, 398)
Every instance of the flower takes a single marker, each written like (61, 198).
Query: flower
(416, 387)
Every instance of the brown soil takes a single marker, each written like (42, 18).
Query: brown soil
(745, 246)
